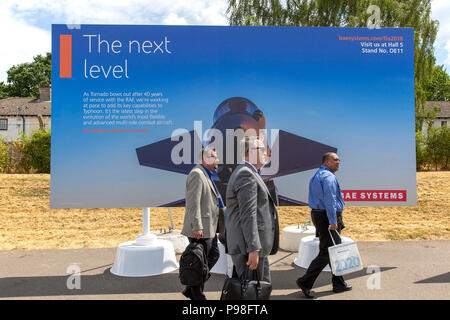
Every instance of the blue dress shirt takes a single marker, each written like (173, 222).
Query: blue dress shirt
(325, 193)
(221, 205)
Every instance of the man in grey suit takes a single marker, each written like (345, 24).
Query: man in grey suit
(252, 218)
(204, 213)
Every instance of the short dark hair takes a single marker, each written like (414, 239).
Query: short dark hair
(327, 156)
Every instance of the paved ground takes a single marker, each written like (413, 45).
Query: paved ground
(409, 270)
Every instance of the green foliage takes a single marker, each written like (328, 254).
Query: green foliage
(28, 154)
(429, 115)
(421, 156)
(433, 150)
(36, 151)
(23, 163)
(351, 13)
(445, 136)
(12, 159)
(4, 90)
(25, 78)
(6, 159)
(438, 88)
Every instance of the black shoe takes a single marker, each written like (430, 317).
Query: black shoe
(340, 289)
(197, 293)
(305, 290)
(187, 293)
(201, 297)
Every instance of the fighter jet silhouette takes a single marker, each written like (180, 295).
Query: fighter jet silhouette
(296, 154)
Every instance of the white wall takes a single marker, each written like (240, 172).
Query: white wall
(15, 126)
(436, 123)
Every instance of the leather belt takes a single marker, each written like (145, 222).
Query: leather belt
(323, 211)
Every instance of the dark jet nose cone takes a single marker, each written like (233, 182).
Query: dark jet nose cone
(237, 105)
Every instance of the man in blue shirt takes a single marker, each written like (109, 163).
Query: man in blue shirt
(326, 203)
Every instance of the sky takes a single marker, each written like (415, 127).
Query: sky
(26, 24)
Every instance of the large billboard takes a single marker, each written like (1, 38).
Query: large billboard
(132, 105)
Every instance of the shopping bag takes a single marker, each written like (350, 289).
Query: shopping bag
(344, 257)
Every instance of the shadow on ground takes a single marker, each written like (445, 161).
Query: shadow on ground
(108, 283)
(442, 278)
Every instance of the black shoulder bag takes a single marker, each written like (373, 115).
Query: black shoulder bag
(244, 289)
(193, 269)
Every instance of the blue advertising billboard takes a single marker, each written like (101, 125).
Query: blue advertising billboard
(133, 104)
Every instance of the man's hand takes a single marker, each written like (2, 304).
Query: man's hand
(333, 227)
(253, 260)
(198, 234)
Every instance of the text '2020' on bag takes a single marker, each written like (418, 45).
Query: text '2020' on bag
(344, 257)
(244, 289)
(194, 269)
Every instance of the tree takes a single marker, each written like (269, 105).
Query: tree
(421, 155)
(25, 78)
(438, 88)
(428, 116)
(445, 136)
(36, 151)
(6, 160)
(437, 147)
(4, 90)
(351, 13)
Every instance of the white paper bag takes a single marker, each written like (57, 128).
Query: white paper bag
(344, 258)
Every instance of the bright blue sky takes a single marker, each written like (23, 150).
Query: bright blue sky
(303, 79)
(29, 21)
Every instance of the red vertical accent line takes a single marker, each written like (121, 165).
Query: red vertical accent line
(65, 56)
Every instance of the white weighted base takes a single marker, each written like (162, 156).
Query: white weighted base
(309, 249)
(179, 241)
(224, 265)
(291, 236)
(137, 259)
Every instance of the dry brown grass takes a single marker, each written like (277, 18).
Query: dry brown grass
(26, 222)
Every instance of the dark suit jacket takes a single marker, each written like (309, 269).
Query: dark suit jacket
(252, 218)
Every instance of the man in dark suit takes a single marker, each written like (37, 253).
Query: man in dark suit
(252, 219)
(204, 213)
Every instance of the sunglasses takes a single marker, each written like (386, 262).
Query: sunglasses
(259, 148)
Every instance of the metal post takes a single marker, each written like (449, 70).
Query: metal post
(146, 238)
(171, 220)
(145, 221)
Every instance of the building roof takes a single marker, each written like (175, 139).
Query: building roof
(443, 105)
(24, 107)
(32, 107)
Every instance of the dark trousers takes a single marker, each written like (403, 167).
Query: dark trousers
(241, 268)
(320, 221)
(212, 255)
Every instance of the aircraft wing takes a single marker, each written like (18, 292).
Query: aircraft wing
(296, 154)
(178, 203)
(158, 154)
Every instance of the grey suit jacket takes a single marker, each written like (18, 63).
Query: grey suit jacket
(202, 205)
(252, 218)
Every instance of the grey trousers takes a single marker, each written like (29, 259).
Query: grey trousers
(240, 263)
